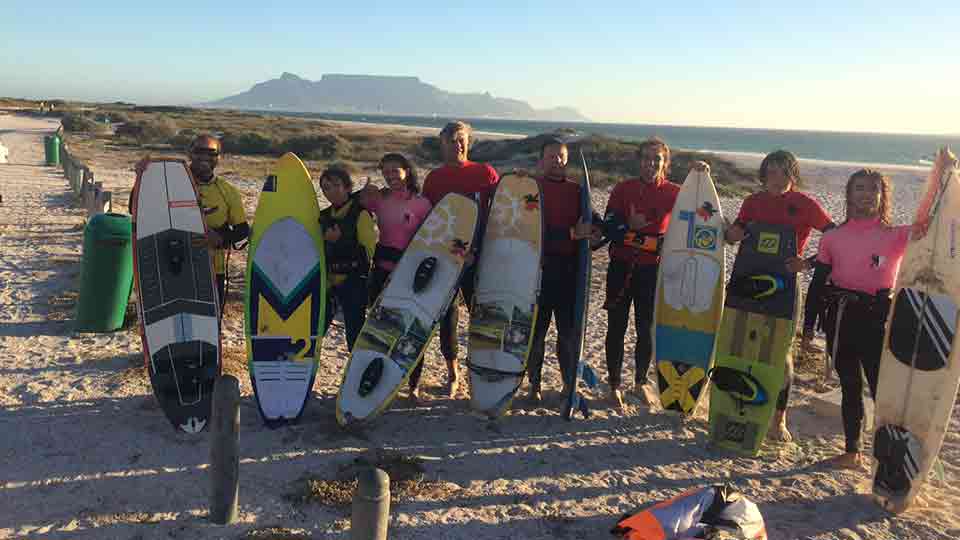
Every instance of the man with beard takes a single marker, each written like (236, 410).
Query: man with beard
(220, 202)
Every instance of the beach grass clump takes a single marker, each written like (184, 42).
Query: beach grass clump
(248, 143)
(80, 123)
(317, 146)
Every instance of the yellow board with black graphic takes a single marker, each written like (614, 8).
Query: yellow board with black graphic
(759, 321)
(286, 292)
(689, 295)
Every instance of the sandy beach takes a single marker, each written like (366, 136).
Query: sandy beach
(87, 453)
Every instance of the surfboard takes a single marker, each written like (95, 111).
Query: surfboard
(401, 322)
(574, 401)
(689, 295)
(505, 301)
(286, 293)
(919, 366)
(756, 333)
(177, 296)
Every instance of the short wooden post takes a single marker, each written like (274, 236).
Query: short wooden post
(225, 450)
(371, 506)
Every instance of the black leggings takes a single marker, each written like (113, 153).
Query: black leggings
(628, 285)
(860, 347)
(558, 291)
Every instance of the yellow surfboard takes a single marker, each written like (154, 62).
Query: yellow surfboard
(286, 292)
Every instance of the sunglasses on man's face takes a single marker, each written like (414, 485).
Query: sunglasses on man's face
(203, 152)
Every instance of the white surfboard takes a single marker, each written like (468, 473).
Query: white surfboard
(505, 303)
(403, 319)
(920, 366)
(690, 295)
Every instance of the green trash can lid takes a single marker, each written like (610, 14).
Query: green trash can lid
(110, 225)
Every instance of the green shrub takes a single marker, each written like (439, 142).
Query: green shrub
(161, 130)
(317, 146)
(249, 143)
(79, 123)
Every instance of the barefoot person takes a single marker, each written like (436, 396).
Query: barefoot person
(856, 269)
(477, 181)
(350, 239)
(780, 203)
(400, 209)
(637, 217)
(560, 203)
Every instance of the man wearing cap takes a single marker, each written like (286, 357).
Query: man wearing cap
(220, 202)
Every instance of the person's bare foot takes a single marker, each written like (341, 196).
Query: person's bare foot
(616, 399)
(644, 394)
(534, 396)
(848, 460)
(778, 430)
(453, 385)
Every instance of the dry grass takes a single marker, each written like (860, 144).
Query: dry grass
(408, 481)
(276, 533)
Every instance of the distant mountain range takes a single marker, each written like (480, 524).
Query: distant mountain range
(373, 94)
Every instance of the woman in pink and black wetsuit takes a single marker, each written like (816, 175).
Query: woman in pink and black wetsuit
(400, 209)
(856, 269)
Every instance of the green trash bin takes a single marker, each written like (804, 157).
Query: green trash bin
(51, 147)
(106, 274)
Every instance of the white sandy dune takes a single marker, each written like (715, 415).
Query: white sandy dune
(86, 453)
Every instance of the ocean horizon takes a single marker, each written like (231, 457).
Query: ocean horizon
(831, 146)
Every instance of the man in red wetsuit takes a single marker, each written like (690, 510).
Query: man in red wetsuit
(637, 217)
(477, 181)
(562, 228)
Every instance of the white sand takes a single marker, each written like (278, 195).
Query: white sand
(86, 453)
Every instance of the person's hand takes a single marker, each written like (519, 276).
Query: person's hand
(796, 265)
(141, 165)
(582, 230)
(636, 220)
(214, 239)
(333, 233)
(735, 233)
(700, 166)
(370, 194)
(919, 230)
(596, 233)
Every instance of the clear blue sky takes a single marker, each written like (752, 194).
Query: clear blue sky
(862, 66)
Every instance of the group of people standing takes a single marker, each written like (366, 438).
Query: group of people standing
(366, 233)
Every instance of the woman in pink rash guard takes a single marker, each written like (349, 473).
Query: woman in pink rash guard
(856, 270)
(400, 209)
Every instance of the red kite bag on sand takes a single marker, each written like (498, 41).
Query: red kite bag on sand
(706, 513)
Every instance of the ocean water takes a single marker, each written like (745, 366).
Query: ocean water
(823, 145)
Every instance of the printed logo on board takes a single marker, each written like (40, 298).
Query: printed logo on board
(531, 201)
(182, 204)
(705, 237)
(768, 243)
(706, 211)
(459, 247)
